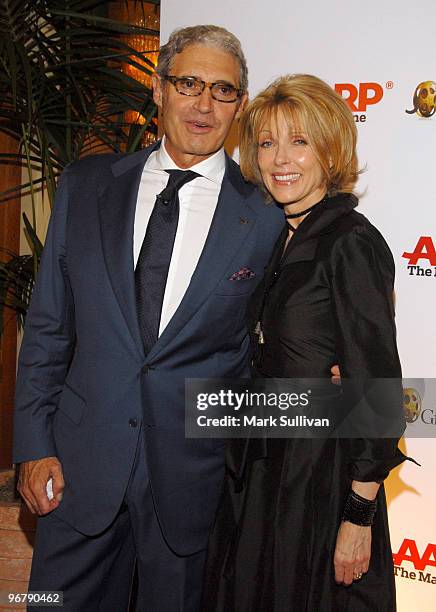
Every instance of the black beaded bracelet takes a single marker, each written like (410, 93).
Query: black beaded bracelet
(358, 510)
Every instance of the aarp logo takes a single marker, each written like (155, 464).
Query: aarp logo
(409, 551)
(422, 260)
(361, 96)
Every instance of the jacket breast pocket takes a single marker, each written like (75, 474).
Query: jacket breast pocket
(244, 286)
(72, 404)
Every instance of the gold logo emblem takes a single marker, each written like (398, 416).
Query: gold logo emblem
(411, 404)
(424, 99)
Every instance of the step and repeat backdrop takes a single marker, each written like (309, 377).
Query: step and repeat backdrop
(381, 57)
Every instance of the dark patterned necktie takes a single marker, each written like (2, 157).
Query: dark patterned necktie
(155, 256)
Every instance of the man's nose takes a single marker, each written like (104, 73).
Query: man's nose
(204, 102)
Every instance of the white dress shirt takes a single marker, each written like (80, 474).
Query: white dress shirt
(198, 200)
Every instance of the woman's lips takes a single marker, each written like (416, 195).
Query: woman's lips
(286, 179)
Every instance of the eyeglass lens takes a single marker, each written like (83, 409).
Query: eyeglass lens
(194, 87)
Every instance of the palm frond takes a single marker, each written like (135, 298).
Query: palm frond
(64, 93)
(16, 284)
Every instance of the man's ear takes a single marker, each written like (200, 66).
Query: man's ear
(242, 104)
(157, 89)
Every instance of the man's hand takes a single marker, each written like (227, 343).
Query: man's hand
(352, 552)
(32, 484)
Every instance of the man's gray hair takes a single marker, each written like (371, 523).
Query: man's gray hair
(209, 35)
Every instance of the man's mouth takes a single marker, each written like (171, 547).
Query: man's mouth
(199, 126)
(286, 179)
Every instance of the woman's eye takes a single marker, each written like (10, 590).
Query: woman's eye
(300, 141)
(265, 144)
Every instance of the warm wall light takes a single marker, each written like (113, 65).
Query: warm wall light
(146, 15)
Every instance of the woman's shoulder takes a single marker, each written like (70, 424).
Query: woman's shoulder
(347, 224)
(355, 236)
(358, 227)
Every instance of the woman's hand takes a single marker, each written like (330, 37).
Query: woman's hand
(352, 552)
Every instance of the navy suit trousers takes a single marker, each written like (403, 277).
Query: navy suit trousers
(95, 573)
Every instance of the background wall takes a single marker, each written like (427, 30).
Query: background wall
(378, 52)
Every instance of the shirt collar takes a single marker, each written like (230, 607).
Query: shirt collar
(212, 167)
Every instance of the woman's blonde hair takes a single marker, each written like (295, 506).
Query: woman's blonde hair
(310, 105)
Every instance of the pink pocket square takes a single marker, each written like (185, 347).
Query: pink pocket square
(243, 274)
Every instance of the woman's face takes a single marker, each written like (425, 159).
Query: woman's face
(289, 168)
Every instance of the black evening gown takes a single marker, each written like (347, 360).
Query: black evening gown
(327, 300)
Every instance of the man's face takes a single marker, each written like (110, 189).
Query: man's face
(196, 126)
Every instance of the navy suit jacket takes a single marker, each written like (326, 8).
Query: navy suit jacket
(83, 376)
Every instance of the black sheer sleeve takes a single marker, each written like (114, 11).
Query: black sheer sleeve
(362, 294)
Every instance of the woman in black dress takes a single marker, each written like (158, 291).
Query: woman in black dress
(302, 524)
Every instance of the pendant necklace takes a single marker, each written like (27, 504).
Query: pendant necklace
(258, 329)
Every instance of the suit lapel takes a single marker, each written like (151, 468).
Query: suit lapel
(233, 220)
(117, 206)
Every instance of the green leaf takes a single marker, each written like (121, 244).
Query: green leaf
(36, 244)
(16, 284)
(64, 93)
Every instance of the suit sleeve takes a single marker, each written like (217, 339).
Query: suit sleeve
(362, 292)
(48, 342)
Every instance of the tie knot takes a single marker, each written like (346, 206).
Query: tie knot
(177, 178)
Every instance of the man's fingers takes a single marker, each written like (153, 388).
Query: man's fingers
(29, 500)
(58, 483)
(34, 476)
(26, 493)
(42, 500)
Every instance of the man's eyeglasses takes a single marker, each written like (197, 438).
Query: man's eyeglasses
(191, 86)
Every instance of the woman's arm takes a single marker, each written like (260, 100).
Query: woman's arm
(353, 543)
(362, 285)
(362, 279)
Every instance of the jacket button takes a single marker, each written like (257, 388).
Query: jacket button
(133, 422)
(145, 369)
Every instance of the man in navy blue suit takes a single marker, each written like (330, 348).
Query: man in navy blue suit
(100, 403)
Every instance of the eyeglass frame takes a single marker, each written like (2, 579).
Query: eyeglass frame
(173, 80)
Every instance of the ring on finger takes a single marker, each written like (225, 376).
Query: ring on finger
(357, 575)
